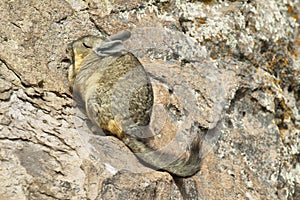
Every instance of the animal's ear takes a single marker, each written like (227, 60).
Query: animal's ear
(109, 48)
(114, 45)
(123, 36)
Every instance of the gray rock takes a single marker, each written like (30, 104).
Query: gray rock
(191, 50)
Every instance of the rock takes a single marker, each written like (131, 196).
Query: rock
(241, 56)
(5, 89)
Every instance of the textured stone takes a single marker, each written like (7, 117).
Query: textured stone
(249, 50)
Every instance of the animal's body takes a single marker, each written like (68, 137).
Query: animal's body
(117, 95)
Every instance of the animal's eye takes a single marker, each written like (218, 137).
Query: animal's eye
(86, 45)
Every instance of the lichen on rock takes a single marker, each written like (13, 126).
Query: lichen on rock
(250, 49)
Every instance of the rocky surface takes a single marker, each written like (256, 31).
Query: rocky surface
(237, 61)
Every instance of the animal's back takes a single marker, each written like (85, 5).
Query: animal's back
(117, 93)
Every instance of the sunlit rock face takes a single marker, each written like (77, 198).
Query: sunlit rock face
(230, 62)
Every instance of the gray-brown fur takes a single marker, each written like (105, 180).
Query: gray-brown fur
(117, 96)
(114, 87)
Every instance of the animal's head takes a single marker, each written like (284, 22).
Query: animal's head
(79, 50)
